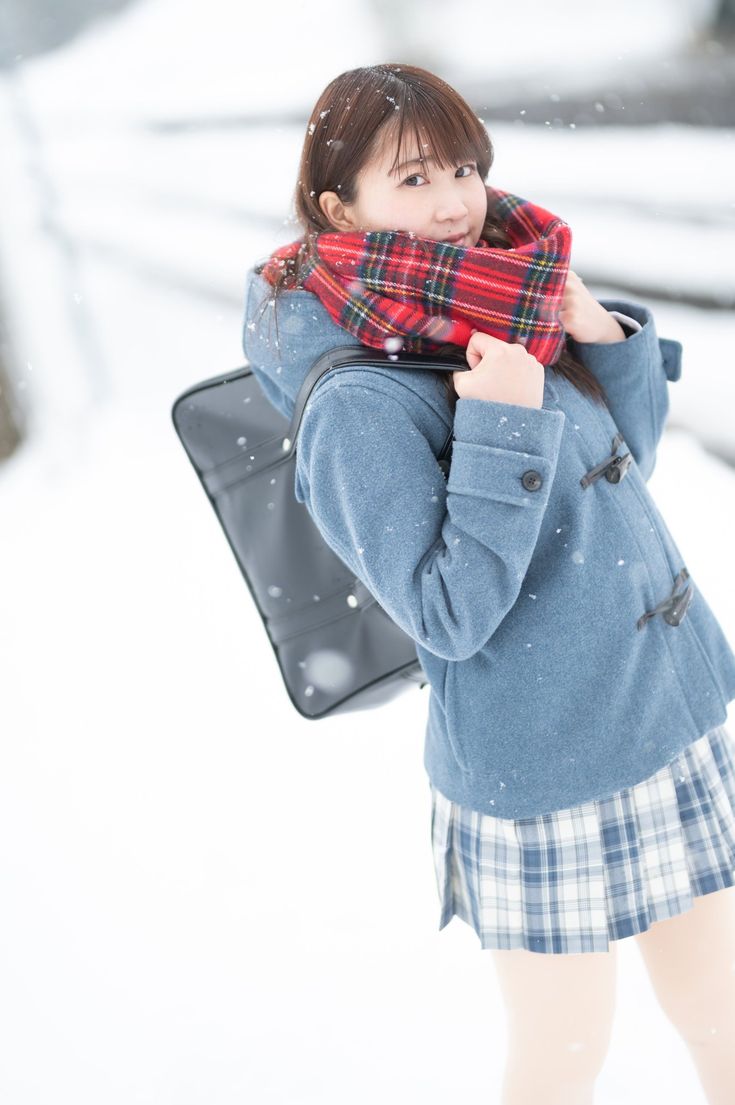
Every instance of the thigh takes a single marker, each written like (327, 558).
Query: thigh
(566, 1000)
(690, 960)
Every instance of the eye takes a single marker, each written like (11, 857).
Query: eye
(471, 166)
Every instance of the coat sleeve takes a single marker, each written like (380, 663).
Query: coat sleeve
(635, 374)
(445, 560)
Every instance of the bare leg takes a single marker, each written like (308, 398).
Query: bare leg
(690, 960)
(559, 1014)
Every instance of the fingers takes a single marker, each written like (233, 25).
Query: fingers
(480, 342)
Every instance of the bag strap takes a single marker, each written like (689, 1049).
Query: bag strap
(343, 355)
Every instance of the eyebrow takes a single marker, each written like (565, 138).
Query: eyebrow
(414, 161)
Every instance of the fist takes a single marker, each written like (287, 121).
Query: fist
(583, 318)
(500, 371)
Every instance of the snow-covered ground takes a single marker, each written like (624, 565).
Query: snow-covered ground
(200, 902)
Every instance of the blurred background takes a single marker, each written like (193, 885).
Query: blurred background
(199, 902)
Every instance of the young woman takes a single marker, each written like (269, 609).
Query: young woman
(582, 778)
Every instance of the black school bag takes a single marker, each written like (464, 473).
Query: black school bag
(337, 649)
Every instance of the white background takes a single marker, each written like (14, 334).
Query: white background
(206, 898)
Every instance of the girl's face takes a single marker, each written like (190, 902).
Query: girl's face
(417, 198)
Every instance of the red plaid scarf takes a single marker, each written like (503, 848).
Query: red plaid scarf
(381, 285)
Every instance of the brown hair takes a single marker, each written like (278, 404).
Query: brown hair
(352, 117)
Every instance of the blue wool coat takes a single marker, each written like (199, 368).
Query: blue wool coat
(522, 589)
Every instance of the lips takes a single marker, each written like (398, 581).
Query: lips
(455, 238)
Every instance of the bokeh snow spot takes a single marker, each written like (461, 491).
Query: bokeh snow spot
(328, 669)
(393, 344)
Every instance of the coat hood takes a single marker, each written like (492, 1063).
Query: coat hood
(283, 336)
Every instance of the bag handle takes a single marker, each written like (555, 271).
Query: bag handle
(342, 355)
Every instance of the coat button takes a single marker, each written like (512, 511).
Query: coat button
(531, 480)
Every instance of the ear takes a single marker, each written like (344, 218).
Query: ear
(339, 215)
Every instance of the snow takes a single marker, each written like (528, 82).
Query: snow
(207, 897)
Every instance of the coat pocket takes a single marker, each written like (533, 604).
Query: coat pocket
(452, 713)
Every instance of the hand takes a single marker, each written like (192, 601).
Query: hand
(583, 318)
(500, 371)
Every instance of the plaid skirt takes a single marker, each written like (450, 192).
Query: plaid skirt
(572, 880)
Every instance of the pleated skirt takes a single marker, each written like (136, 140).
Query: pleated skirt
(575, 879)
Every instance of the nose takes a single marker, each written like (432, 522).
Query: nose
(451, 206)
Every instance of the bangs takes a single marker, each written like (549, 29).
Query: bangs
(429, 127)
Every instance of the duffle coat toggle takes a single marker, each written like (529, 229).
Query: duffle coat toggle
(613, 467)
(673, 609)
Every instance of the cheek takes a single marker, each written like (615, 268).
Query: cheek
(407, 213)
(479, 202)
(388, 211)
